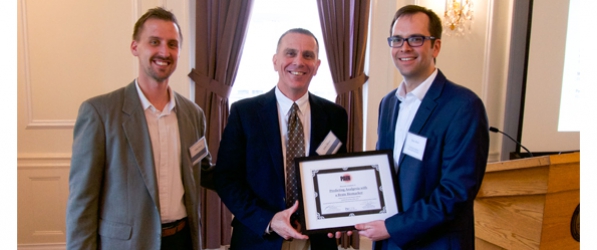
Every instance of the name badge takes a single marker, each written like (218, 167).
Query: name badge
(330, 145)
(198, 150)
(414, 145)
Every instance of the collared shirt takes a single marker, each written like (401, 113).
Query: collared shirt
(165, 144)
(409, 104)
(284, 105)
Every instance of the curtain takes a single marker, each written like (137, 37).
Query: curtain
(221, 27)
(344, 25)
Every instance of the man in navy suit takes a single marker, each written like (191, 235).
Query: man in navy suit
(439, 134)
(250, 174)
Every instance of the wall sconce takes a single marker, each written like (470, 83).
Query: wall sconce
(458, 17)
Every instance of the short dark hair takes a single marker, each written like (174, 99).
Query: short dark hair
(155, 13)
(300, 31)
(435, 24)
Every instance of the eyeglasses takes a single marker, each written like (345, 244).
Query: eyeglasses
(413, 41)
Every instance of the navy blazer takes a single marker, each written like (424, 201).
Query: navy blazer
(249, 174)
(437, 192)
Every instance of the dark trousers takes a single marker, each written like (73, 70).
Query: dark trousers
(178, 241)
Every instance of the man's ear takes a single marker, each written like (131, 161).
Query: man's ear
(134, 45)
(437, 45)
(274, 60)
(316, 66)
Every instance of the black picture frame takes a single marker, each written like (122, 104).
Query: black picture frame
(365, 179)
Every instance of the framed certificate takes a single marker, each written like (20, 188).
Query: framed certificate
(338, 191)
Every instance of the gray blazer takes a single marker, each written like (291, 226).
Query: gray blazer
(113, 201)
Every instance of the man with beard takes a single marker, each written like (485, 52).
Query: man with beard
(136, 162)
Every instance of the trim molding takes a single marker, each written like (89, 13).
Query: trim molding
(135, 15)
(48, 246)
(487, 50)
(43, 124)
(31, 121)
(43, 161)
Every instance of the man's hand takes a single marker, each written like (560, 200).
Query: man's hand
(339, 234)
(281, 224)
(375, 230)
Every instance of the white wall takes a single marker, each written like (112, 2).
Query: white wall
(71, 50)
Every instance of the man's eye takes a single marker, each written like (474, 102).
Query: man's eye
(153, 42)
(416, 39)
(290, 53)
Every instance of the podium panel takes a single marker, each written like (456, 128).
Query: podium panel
(529, 203)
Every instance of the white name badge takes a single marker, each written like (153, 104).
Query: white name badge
(198, 150)
(330, 145)
(414, 145)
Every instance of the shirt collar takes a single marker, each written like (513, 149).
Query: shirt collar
(146, 104)
(285, 103)
(420, 91)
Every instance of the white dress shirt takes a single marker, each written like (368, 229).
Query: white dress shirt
(409, 104)
(284, 105)
(165, 143)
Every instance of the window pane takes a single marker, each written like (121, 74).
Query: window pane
(269, 20)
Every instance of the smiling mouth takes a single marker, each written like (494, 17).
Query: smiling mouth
(406, 59)
(161, 61)
(296, 73)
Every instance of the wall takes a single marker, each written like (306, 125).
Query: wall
(69, 51)
(546, 77)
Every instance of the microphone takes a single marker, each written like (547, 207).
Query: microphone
(495, 130)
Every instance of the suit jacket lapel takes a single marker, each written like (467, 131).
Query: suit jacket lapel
(186, 132)
(427, 105)
(268, 119)
(395, 105)
(137, 135)
(319, 120)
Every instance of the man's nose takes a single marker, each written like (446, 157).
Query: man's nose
(164, 50)
(405, 46)
(298, 60)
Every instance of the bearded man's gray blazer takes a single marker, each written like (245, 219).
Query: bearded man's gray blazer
(113, 201)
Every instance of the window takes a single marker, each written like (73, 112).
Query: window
(269, 20)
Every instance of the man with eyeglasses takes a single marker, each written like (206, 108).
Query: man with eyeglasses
(439, 134)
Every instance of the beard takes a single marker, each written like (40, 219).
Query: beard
(160, 74)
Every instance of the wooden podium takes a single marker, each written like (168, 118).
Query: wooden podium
(529, 204)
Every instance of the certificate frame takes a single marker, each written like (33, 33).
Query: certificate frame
(338, 191)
